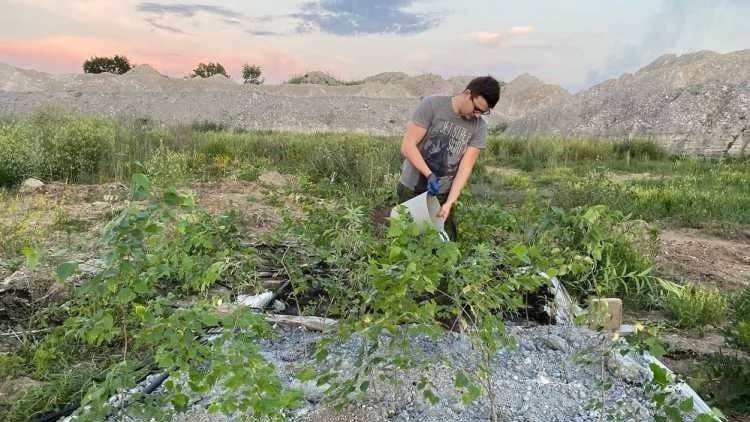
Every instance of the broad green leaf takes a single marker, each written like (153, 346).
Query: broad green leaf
(687, 405)
(462, 380)
(65, 271)
(306, 374)
(125, 296)
(660, 374)
(430, 396)
(180, 401)
(472, 394)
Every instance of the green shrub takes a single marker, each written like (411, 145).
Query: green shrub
(55, 147)
(738, 331)
(725, 382)
(602, 252)
(16, 162)
(696, 307)
(77, 150)
(639, 149)
(116, 64)
(168, 168)
(207, 70)
(208, 126)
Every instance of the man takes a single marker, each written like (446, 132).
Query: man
(442, 143)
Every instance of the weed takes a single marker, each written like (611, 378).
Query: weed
(696, 307)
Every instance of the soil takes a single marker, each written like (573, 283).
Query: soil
(701, 258)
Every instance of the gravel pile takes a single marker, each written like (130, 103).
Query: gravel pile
(555, 374)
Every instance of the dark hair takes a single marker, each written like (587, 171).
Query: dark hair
(486, 86)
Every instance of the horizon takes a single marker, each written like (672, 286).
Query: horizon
(575, 44)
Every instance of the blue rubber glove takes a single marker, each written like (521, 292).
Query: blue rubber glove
(433, 184)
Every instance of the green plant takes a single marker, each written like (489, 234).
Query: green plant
(639, 149)
(251, 74)
(696, 307)
(207, 70)
(129, 316)
(597, 247)
(415, 283)
(738, 329)
(725, 380)
(669, 404)
(208, 126)
(168, 168)
(116, 64)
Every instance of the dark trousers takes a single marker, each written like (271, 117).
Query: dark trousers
(405, 194)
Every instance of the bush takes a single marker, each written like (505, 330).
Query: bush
(15, 155)
(207, 126)
(639, 149)
(725, 381)
(53, 146)
(696, 307)
(251, 74)
(116, 64)
(207, 70)
(738, 332)
(606, 254)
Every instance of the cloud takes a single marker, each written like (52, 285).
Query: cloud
(353, 17)
(356, 17)
(168, 12)
(494, 39)
(163, 27)
(520, 30)
(186, 10)
(261, 33)
(673, 30)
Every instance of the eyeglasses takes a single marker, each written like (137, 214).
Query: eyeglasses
(478, 110)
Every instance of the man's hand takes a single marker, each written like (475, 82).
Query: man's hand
(433, 184)
(445, 210)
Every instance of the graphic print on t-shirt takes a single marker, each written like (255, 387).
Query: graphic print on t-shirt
(444, 146)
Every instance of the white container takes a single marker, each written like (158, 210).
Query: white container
(424, 209)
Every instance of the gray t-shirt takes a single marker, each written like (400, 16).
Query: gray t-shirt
(448, 135)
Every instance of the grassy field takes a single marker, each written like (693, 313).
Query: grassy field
(587, 211)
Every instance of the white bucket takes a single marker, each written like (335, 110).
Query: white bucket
(424, 209)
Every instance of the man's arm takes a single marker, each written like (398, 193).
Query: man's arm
(465, 168)
(409, 150)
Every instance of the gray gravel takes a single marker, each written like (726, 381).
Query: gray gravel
(555, 374)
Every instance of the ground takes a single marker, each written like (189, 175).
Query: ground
(701, 257)
(73, 230)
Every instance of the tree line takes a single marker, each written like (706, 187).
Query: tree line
(251, 74)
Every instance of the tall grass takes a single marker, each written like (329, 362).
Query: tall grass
(57, 146)
(636, 177)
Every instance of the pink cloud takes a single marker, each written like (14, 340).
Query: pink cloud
(66, 54)
(494, 39)
(519, 30)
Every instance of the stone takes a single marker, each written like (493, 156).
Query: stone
(554, 342)
(311, 391)
(606, 313)
(31, 185)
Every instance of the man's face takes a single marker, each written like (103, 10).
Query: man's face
(473, 107)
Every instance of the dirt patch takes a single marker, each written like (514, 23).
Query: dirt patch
(255, 201)
(274, 179)
(638, 177)
(698, 257)
(12, 389)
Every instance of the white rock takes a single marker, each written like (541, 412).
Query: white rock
(31, 185)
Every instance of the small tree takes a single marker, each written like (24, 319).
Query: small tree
(116, 64)
(251, 74)
(207, 70)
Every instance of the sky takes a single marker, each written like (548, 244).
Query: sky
(573, 43)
